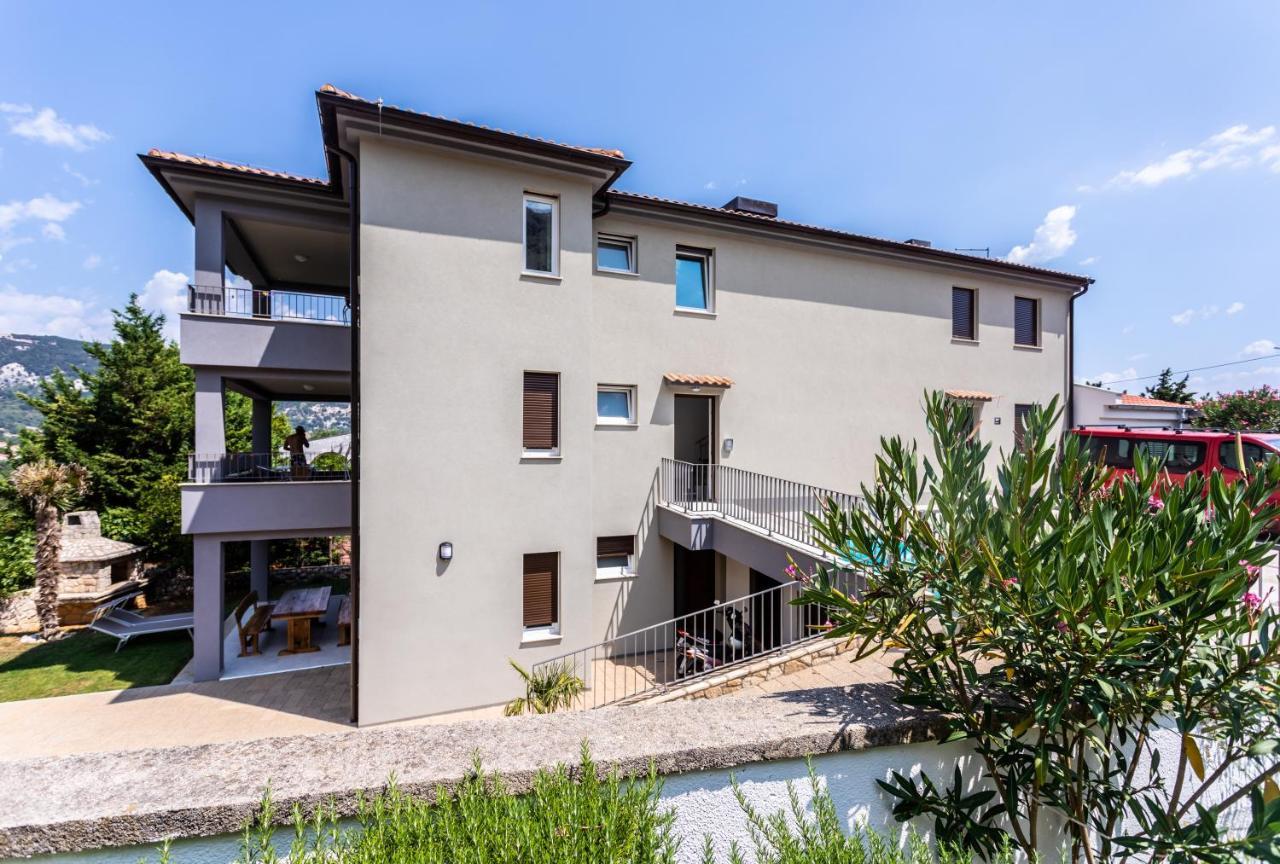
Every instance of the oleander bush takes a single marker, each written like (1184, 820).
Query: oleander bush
(1067, 623)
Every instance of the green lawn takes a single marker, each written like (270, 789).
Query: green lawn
(85, 662)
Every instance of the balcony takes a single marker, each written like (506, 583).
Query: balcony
(266, 494)
(266, 329)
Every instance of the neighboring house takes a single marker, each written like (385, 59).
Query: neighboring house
(567, 384)
(1097, 406)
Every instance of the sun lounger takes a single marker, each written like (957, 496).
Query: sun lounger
(124, 625)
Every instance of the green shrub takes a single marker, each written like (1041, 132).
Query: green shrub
(331, 462)
(793, 836)
(17, 562)
(547, 689)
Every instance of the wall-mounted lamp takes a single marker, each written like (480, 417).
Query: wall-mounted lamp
(728, 446)
(446, 551)
(300, 258)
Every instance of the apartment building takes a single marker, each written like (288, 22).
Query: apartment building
(577, 411)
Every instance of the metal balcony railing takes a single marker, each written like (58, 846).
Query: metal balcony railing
(265, 468)
(683, 649)
(772, 504)
(268, 304)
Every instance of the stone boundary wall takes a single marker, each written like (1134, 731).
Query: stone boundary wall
(137, 798)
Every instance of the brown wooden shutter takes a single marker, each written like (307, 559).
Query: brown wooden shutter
(962, 313)
(541, 411)
(1026, 327)
(625, 545)
(540, 584)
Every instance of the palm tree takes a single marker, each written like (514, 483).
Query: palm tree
(545, 690)
(49, 488)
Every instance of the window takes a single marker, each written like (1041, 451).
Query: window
(693, 280)
(615, 556)
(615, 406)
(616, 254)
(1176, 457)
(1021, 412)
(1026, 321)
(541, 594)
(964, 324)
(541, 413)
(1255, 455)
(541, 235)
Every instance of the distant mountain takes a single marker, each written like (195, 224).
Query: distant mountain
(318, 417)
(24, 361)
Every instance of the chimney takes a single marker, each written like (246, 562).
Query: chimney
(753, 206)
(83, 523)
(917, 242)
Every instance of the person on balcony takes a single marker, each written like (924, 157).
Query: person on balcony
(297, 444)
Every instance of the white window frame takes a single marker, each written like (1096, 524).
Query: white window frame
(618, 240)
(555, 234)
(624, 572)
(630, 419)
(708, 273)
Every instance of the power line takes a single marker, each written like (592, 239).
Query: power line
(1196, 369)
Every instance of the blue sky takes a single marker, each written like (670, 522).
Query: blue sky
(1134, 142)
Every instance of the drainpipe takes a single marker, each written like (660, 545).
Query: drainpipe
(353, 289)
(1071, 354)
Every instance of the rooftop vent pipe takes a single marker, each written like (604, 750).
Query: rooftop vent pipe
(753, 206)
(917, 242)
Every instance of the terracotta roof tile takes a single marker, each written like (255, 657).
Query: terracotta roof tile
(787, 223)
(345, 94)
(1148, 402)
(697, 380)
(205, 162)
(970, 395)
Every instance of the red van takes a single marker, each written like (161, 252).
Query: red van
(1182, 451)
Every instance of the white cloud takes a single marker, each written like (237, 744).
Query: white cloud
(1204, 313)
(1259, 348)
(709, 185)
(1134, 358)
(1112, 377)
(53, 231)
(1092, 259)
(46, 208)
(1127, 329)
(1052, 239)
(166, 292)
(51, 314)
(93, 262)
(1235, 308)
(84, 181)
(1234, 147)
(44, 125)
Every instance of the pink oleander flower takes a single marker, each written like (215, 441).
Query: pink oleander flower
(1251, 569)
(1155, 503)
(1062, 627)
(1010, 583)
(1251, 601)
(791, 571)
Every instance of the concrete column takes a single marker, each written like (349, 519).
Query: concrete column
(259, 568)
(210, 246)
(209, 563)
(261, 426)
(211, 435)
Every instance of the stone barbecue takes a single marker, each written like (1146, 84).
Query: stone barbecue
(94, 568)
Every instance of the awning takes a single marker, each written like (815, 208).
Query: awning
(969, 395)
(680, 379)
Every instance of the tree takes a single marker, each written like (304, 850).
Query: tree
(1065, 624)
(1169, 390)
(49, 488)
(1256, 410)
(131, 423)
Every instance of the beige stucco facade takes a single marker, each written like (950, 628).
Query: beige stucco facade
(828, 349)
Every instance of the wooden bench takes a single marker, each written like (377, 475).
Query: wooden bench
(251, 628)
(344, 621)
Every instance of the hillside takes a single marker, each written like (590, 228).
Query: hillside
(24, 360)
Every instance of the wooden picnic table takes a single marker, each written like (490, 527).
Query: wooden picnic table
(300, 608)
